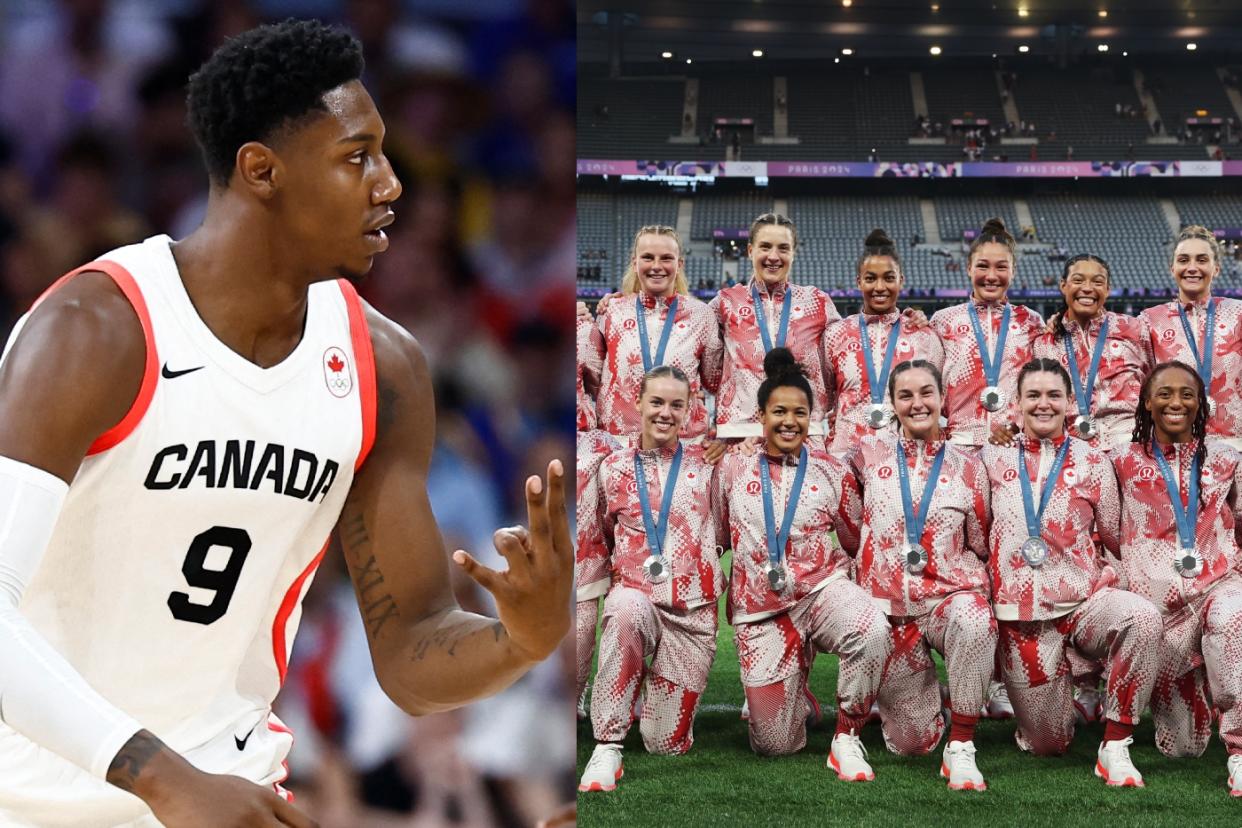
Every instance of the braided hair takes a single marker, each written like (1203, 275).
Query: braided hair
(878, 244)
(993, 230)
(782, 370)
(1058, 326)
(1145, 427)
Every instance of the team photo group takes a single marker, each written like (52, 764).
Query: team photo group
(1049, 507)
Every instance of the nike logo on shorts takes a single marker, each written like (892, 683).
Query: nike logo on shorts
(168, 373)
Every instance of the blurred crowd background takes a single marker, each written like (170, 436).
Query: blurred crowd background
(478, 99)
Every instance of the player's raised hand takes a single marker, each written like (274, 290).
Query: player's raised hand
(533, 594)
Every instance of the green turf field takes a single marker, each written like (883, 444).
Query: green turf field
(720, 782)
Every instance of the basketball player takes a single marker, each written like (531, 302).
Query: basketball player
(924, 516)
(184, 424)
(1051, 588)
(654, 512)
(862, 349)
(1181, 499)
(1203, 331)
(791, 595)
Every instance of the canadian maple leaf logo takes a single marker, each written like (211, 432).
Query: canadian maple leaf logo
(335, 364)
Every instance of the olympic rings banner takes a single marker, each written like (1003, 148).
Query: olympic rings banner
(699, 170)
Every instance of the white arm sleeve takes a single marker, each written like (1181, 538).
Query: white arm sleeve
(41, 695)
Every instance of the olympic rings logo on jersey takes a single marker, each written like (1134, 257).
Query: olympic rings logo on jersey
(1069, 476)
(336, 374)
(753, 487)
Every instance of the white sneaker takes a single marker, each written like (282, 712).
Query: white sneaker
(1113, 765)
(1235, 774)
(1088, 704)
(603, 769)
(848, 757)
(583, 712)
(745, 710)
(960, 769)
(997, 706)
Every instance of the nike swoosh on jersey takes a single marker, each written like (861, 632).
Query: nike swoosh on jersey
(241, 743)
(168, 373)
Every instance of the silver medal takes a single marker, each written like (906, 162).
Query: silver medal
(879, 415)
(1085, 427)
(1034, 552)
(915, 557)
(776, 576)
(656, 569)
(1188, 563)
(992, 398)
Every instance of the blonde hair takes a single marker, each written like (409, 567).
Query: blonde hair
(1197, 231)
(629, 282)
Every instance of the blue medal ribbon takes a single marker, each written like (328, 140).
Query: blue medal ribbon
(1034, 518)
(991, 362)
(777, 541)
(877, 384)
(761, 318)
(644, 342)
(1187, 516)
(656, 531)
(1202, 362)
(916, 522)
(1083, 396)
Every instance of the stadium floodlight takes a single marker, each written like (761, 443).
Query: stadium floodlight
(836, 60)
(935, 50)
(666, 55)
(756, 53)
(847, 3)
(1024, 48)
(1190, 47)
(935, 7)
(1103, 12)
(1125, 54)
(847, 52)
(688, 60)
(1023, 11)
(1103, 47)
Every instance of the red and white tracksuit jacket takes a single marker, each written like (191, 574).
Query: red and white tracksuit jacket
(821, 610)
(1069, 602)
(587, 333)
(591, 568)
(1201, 658)
(616, 360)
(812, 311)
(1168, 342)
(848, 388)
(945, 606)
(672, 622)
(1124, 363)
(970, 424)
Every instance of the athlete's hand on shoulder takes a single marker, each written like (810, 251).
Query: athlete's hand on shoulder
(583, 311)
(916, 318)
(1051, 325)
(714, 451)
(602, 305)
(1002, 435)
(532, 595)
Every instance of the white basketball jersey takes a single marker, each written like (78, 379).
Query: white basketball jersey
(174, 578)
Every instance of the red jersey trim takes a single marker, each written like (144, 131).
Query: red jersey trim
(279, 649)
(364, 356)
(150, 372)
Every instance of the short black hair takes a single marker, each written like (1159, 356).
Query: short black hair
(261, 80)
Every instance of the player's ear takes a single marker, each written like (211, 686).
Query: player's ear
(258, 169)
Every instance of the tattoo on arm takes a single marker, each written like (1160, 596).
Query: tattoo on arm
(447, 639)
(376, 603)
(134, 756)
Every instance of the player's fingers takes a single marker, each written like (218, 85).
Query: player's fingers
(290, 815)
(537, 510)
(558, 512)
(484, 576)
(509, 545)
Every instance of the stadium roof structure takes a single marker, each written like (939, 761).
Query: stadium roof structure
(732, 30)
